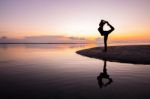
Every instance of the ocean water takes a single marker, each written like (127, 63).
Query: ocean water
(55, 71)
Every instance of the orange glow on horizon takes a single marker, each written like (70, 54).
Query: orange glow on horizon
(131, 37)
(75, 18)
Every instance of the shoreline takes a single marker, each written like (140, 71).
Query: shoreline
(135, 54)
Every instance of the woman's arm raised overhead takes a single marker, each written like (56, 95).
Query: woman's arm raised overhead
(112, 28)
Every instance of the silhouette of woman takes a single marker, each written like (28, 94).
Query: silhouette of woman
(105, 33)
(104, 75)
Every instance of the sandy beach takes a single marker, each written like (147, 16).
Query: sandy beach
(136, 54)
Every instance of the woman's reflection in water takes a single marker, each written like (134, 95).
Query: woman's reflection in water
(104, 75)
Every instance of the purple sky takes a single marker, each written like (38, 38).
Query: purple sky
(19, 18)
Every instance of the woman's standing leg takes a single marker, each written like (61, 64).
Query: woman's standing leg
(105, 42)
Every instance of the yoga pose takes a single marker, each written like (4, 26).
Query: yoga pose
(105, 33)
(104, 75)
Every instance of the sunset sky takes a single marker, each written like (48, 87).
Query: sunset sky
(77, 18)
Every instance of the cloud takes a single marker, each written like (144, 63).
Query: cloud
(45, 39)
(3, 32)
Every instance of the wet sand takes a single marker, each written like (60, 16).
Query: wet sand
(136, 54)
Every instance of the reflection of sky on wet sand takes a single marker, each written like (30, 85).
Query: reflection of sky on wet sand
(27, 51)
(57, 70)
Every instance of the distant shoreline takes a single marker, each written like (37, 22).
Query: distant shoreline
(135, 54)
(111, 44)
(44, 43)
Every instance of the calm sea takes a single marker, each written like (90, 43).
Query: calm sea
(55, 71)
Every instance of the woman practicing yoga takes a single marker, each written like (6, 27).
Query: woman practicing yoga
(105, 33)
